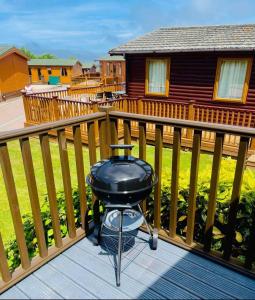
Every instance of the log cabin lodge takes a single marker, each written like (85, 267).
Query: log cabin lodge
(213, 65)
(13, 70)
(113, 69)
(55, 70)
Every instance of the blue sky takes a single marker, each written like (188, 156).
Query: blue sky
(88, 29)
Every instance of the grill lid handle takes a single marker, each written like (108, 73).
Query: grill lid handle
(130, 147)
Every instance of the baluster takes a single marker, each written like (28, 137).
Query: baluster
(114, 135)
(227, 117)
(127, 136)
(80, 173)
(213, 190)
(63, 152)
(14, 205)
(158, 171)
(142, 149)
(240, 165)
(91, 142)
(175, 181)
(4, 270)
(33, 195)
(51, 189)
(193, 186)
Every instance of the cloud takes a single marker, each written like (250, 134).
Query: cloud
(93, 27)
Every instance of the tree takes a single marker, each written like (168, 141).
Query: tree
(29, 54)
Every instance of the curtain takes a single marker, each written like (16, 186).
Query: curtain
(232, 77)
(157, 76)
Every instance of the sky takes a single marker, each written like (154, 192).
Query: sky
(87, 30)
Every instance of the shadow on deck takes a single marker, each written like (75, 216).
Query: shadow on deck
(86, 271)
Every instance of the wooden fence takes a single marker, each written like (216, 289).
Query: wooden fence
(107, 131)
(40, 109)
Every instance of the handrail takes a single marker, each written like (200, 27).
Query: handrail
(45, 127)
(235, 130)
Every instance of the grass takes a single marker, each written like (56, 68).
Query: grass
(6, 227)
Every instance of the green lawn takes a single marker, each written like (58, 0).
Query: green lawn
(6, 227)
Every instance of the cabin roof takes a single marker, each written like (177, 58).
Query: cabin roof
(112, 58)
(8, 49)
(192, 39)
(52, 62)
(88, 64)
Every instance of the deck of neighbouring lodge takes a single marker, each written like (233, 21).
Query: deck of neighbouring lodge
(86, 271)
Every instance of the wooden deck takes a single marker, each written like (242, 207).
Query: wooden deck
(86, 271)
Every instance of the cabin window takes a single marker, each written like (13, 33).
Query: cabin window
(232, 79)
(157, 76)
(49, 71)
(63, 72)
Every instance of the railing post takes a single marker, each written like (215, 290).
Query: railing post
(252, 145)
(68, 91)
(140, 106)
(191, 113)
(55, 108)
(105, 132)
(26, 107)
(125, 105)
(95, 109)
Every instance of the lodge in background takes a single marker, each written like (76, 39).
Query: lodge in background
(54, 71)
(89, 67)
(13, 71)
(212, 65)
(113, 69)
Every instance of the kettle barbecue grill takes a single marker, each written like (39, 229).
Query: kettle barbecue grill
(121, 183)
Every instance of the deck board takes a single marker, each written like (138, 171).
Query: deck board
(85, 271)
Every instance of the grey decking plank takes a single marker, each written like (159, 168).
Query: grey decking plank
(100, 288)
(13, 293)
(129, 286)
(64, 286)
(208, 277)
(177, 278)
(207, 264)
(36, 289)
(163, 287)
(194, 286)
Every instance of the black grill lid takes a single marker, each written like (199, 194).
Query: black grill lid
(121, 174)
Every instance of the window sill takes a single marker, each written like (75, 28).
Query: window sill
(229, 100)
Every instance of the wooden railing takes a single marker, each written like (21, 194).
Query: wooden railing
(36, 110)
(108, 130)
(179, 126)
(59, 92)
(85, 78)
(74, 234)
(96, 89)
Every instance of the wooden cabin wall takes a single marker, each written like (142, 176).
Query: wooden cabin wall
(192, 77)
(120, 69)
(77, 69)
(13, 73)
(55, 71)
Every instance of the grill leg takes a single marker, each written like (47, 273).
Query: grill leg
(119, 249)
(145, 221)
